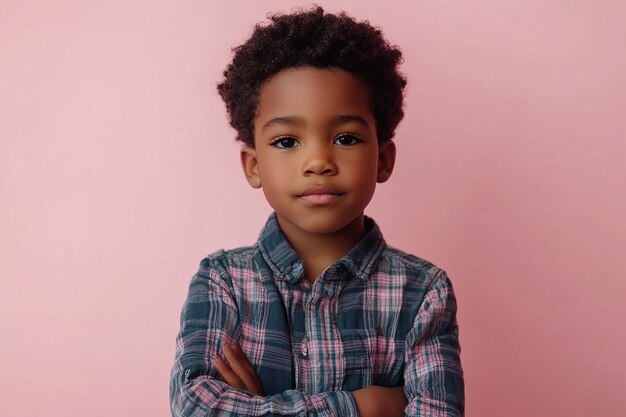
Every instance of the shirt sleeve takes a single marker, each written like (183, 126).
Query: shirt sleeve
(433, 375)
(209, 317)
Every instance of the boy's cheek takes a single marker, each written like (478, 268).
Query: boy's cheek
(280, 177)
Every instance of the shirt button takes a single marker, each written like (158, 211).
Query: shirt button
(304, 350)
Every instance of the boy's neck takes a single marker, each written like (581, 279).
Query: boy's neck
(317, 250)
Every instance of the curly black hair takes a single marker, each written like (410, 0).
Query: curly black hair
(313, 38)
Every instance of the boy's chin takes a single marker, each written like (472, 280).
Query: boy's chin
(321, 223)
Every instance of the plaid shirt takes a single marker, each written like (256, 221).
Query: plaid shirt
(377, 316)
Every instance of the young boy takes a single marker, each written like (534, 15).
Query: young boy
(319, 317)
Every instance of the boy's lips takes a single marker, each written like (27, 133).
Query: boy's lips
(318, 194)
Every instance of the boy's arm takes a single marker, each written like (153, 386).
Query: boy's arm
(373, 401)
(433, 378)
(208, 320)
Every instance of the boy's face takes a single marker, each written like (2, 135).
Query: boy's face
(316, 152)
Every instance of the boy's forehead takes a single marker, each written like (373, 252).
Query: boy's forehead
(299, 91)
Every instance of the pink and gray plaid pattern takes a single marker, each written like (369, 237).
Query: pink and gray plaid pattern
(377, 316)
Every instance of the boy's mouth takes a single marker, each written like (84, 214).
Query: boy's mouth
(320, 194)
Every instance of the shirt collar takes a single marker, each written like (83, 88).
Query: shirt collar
(287, 265)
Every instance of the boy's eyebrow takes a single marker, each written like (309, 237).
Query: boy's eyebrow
(348, 118)
(296, 120)
(285, 121)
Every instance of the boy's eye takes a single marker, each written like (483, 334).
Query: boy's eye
(285, 142)
(347, 139)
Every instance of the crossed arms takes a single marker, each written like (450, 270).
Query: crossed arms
(371, 401)
(203, 384)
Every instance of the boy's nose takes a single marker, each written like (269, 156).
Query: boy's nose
(319, 161)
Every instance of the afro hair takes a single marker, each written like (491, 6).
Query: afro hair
(313, 38)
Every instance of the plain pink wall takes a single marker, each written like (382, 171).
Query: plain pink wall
(119, 173)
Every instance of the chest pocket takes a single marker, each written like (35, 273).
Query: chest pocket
(358, 369)
(371, 358)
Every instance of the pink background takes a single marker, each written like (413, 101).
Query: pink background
(118, 173)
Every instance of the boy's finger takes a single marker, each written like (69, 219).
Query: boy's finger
(241, 366)
(255, 379)
(227, 373)
(242, 357)
(237, 363)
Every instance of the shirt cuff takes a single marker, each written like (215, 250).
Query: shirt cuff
(342, 404)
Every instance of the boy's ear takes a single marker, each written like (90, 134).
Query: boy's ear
(386, 159)
(250, 166)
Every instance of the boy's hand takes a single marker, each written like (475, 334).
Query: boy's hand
(236, 370)
(378, 401)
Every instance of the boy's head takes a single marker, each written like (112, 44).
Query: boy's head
(314, 39)
(316, 98)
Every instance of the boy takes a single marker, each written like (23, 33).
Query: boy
(319, 317)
